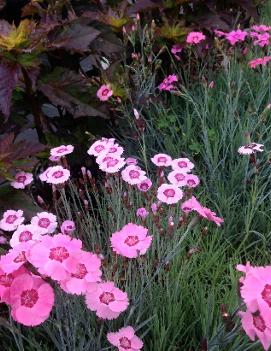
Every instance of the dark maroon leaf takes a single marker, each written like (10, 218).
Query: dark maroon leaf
(143, 5)
(249, 7)
(8, 79)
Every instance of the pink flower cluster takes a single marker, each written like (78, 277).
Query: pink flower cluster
(262, 61)
(168, 83)
(256, 293)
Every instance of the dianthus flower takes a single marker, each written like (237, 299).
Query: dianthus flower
(261, 28)
(112, 164)
(191, 180)
(62, 150)
(104, 92)
(182, 164)
(56, 175)
(235, 36)
(55, 158)
(250, 149)
(169, 193)
(67, 227)
(22, 179)
(131, 241)
(168, 83)
(144, 185)
(176, 50)
(6, 280)
(131, 161)
(15, 257)
(133, 175)
(99, 146)
(142, 212)
(177, 178)
(31, 299)
(195, 37)
(46, 222)
(262, 40)
(107, 300)
(24, 233)
(262, 61)
(161, 160)
(11, 220)
(125, 339)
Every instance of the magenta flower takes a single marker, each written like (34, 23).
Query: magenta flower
(250, 149)
(169, 193)
(131, 241)
(84, 269)
(15, 257)
(31, 300)
(262, 40)
(161, 160)
(192, 181)
(262, 61)
(11, 220)
(67, 227)
(46, 222)
(49, 255)
(182, 164)
(22, 179)
(142, 212)
(168, 83)
(107, 300)
(104, 92)
(195, 37)
(133, 175)
(236, 36)
(6, 280)
(99, 146)
(144, 185)
(61, 150)
(261, 28)
(56, 175)
(125, 339)
(25, 233)
(177, 178)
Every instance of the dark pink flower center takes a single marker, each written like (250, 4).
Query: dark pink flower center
(125, 343)
(259, 322)
(59, 254)
(131, 240)
(182, 164)
(25, 236)
(266, 294)
(21, 179)
(62, 149)
(179, 177)
(248, 146)
(107, 297)
(99, 148)
(191, 182)
(169, 193)
(134, 174)
(20, 258)
(113, 149)
(29, 298)
(105, 92)
(112, 163)
(44, 222)
(6, 279)
(58, 174)
(162, 159)
(11, 219)
(144, 186)
(81, 271)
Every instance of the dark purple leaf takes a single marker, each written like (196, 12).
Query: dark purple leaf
(8, 80)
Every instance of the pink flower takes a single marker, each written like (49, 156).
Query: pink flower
(219, 33)
(125, 339)
(15, 257)
(263, 61)
(133, 175)
(192, 181)
(54, 159)
(6, 280)
(99, 146)
(144, 185)
(112, 164)
(31, 299)
(67, 227)
(191, 205)
(154, 208)
(254, 325)
(22, 179)
(24, 233)
(182, 164)
(167, 83)
(61, 150)
(177, 178)
(44, 175)
(107, 300)
(11, 220)
(262, 40)
(261, 28)
(50, 254)
(84, 269)
(104, 92)
(235, 36)
(161, 160)
(195, 37)
(131, 241)
(176, 50)
(46, 222)
(250, 149)
(131, 161)
(169, 193)
(56, 175)
(142, 212)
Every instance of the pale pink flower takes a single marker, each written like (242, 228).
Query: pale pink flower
(107, 300)
(144, 185)
(46, 222)
(31, 300)
(67, 227)
(142, 212)
(182, 164)
(25, 232)
(6, 280)
(22, 179)
(84, 269)
(133, 175)
(112, 164)
(168, 82)
(261, 28)
(57, 175)
(169, 193)
(15, 257)
(177, 178)
(254, 325)
(50, 254)
(161, 160)
(44, 175)
(262, 40)
(192, 181)
(99, 146)
(11, 220)
(211, 216)
(125, 340)
(131, 161)
(235, 36)
(54, 159)
(104, 92)
(195, 37)
(131, 241)
(62, 150)
(250, 149)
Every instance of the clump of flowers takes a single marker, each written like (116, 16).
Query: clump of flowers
(262, 61)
